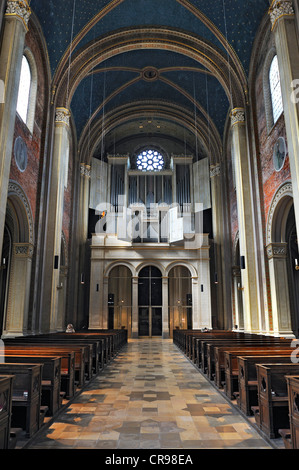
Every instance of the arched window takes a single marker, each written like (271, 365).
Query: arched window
(275, 89)
(24, 89)
(27, 90)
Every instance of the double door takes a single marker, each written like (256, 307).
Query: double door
(150, 321)
(150, 302)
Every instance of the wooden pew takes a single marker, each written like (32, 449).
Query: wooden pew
(232, 366)
(247, 377)
(273, 404)
(198, 341)
(293, 404)
(67, 363)
(26, 395)
(51, 377)
(219, 355)
(82, 353)
(209, 354)
(99, 346)
(6, 390)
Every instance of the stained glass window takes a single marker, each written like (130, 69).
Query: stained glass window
(150, 160)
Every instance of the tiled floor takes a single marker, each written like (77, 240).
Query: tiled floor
(150, 397)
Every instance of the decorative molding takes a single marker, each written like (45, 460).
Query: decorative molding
(285, 190)
(277, 250)
(237, 116)
(62, 116)
(279, 9)
(19, 9)
(65, 249)
(215, 170)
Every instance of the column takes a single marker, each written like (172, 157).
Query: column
(196, 320)
(215, 177)
(104, 316)
(250, 293)
(202, 287)
(165, 321)
(54, 221)
(83, 231)
(134, 307)
(237, 290)
(19, 290)
(282, 18)
(14, 30)
(279, 285)
(98, 294)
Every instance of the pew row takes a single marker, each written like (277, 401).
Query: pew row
(26, 395)
(273, 399)
(6, 390)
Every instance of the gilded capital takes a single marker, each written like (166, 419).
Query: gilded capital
(215, 170)
(237, 116)
(62, 116)
(19, 9)
(279, 9)
(85, 170)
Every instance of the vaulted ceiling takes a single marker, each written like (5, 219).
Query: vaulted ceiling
(156, 71)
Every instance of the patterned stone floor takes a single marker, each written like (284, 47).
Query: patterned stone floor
(150, 397)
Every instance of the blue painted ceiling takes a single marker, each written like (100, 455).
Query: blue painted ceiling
(237, 20)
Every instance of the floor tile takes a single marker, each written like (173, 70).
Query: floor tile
(150, 397)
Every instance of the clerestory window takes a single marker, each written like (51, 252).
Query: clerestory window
(27, 90)
(275, 89)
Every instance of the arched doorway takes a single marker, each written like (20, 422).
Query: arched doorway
(4, 273)
(150, 302)
(293, 272)
(19, 242)
(180, 298)
(120, 298)
(281, 251)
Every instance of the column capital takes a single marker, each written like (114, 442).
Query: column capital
(237, 116)
(280, 9)
(277, 250)
(23, 250)
(85, 170)
(18, 9)
(62, 116)
(215, 170)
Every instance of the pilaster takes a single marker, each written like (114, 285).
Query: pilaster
(277, 258)
(250, 293)
(15, 26)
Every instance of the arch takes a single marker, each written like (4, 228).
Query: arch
(174, 264)
(94, 132)
(109, 268)
(278, 212)
(21, 212)
(214, 59)
(150, 263)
